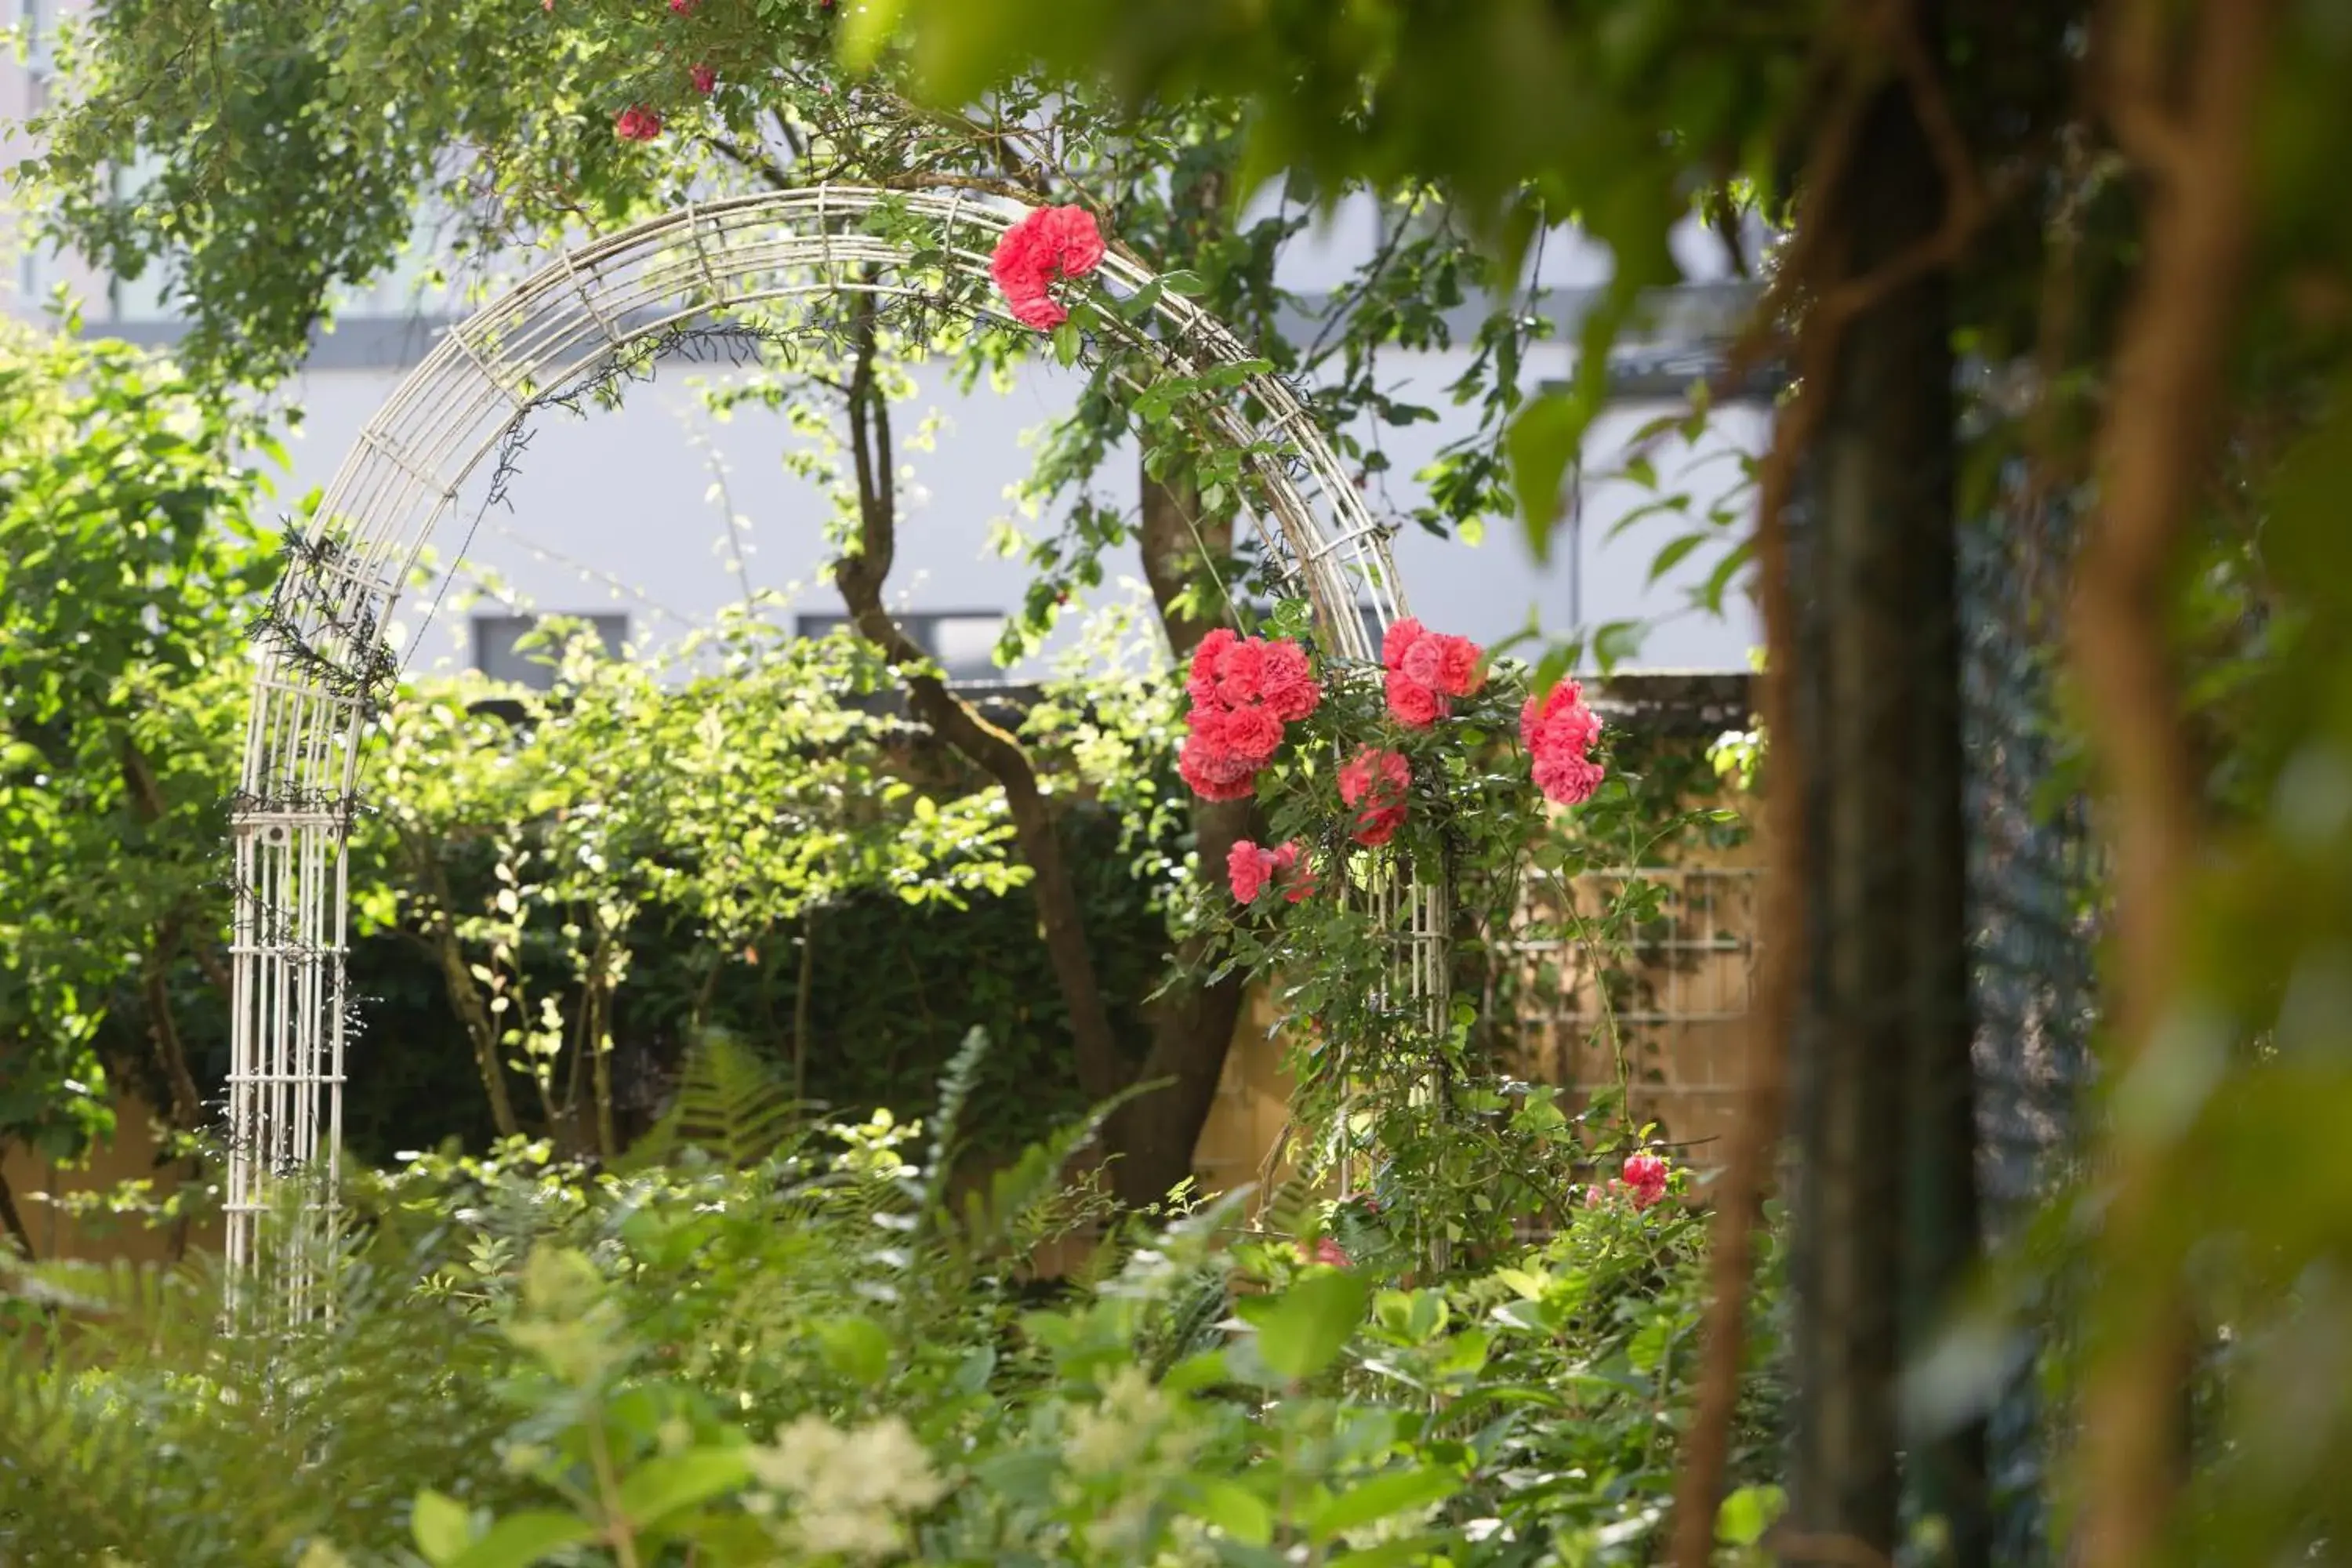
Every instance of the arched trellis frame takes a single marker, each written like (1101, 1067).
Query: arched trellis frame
(326, 663)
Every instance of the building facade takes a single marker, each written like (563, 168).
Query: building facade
(650, 519)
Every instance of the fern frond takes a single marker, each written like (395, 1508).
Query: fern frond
(731, 1104)
(956, 1087)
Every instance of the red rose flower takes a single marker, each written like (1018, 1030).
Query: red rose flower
(1412, 704)
(1460, 673)
(1248, 868)
(1286, 681)
(637, 123)
(1051, 243)
(1241, 669)
(1202, 683)
(1645, 1178)
(1560, 731)
(705, 80)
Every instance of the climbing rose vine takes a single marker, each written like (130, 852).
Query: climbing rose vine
(1051, 243)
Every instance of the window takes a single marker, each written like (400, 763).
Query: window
(496, 655)
(963, 642)
(33, 23)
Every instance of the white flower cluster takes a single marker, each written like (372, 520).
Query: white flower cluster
(851, 1492)
(1127, 1436)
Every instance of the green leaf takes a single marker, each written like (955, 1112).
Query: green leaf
(1185, 283)
(1542, 442)
(865, 30)
(661, 1487)
(1616, 642)
(1395, 1492)
(856, 1348)
(441, 1526)
(1237, 1511)
(1302, 1330)
(1747, 1513)
(1672, 554)
(522, 1539)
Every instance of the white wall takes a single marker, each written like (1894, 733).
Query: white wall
(630, 509)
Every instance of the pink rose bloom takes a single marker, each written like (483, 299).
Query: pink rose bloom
(1252, 734)
(1297, 883)
(705, 80)
(1286, 681)
(1201, 682)
(637, 123)
(1399, 639)
(1645, 1177)
(1560, 731)
(1414, 704)
(683, 7)
(1375, 780)
(1214, 774)
(1240, 671)
(1038, 312)
(1459, 674)
(1424, 662)
(1051, 243)
(1249, 867)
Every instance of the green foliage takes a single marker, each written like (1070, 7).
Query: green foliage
(127, 564)
(814, 1359)
(761, 850)
(1417, 1087)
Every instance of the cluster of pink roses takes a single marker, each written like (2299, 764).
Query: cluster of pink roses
(1559, 732)
(1049, 244)
(1426, 669)
(1245, 692)
(1645, 1182)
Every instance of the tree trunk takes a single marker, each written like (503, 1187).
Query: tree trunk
(1884, 1185)
(860, 577)
(10, 1220)
(1192, 1025)
(465, 996)
(2153, 450)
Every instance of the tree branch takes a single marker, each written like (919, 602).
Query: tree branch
(860, 577)
(2153, 454)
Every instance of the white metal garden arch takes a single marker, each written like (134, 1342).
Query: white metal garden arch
(325, 658)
